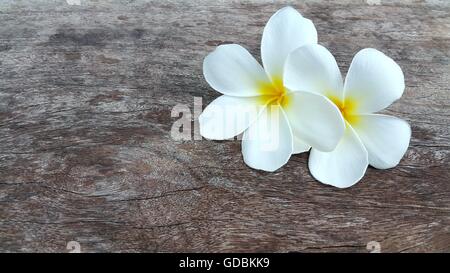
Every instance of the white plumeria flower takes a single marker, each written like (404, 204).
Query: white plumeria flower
(281, 122)
(373, 82)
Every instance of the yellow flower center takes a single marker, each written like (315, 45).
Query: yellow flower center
(274, 92)
(347, 107)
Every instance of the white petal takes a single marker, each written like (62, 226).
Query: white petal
(313, 68)
(300, 146)
(374, 81)
(386, 139)
(285, 31)
(228, 116)
(267, 144)
(342, 167)
(315, 120)
(232, 70)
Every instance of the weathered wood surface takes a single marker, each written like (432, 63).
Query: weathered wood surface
(86, 94)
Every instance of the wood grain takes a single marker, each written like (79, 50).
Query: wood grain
(86, 94)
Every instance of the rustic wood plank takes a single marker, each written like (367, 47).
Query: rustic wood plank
(86, 154)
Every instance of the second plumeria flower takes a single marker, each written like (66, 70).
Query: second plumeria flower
(373, 82)
(282, 120)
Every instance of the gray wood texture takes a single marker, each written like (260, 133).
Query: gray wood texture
(86, 155)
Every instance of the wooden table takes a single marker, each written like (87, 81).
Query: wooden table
(86, 155)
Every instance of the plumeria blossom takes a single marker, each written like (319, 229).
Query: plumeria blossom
(276, 121)
(373, 82)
